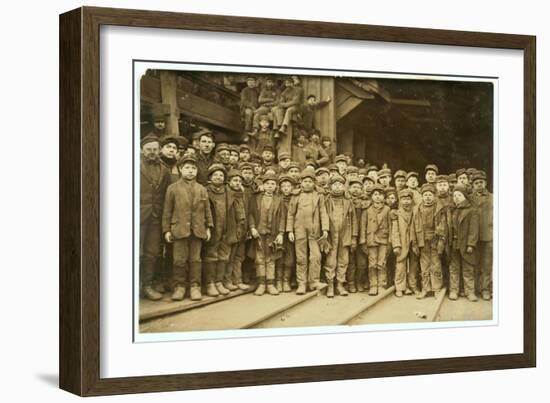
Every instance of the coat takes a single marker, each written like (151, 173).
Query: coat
(350, 230)
(467, 230)
(402, 232)
(277, 220)
(186, 210)
(236, 227)
(440, 223)
(484, 203)
(203, 163)
(375, 226)
(319, 219)
(154, 180)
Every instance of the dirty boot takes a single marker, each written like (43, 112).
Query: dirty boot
(341, 290)
(351, 288)
(330, 289)
(211, 290)
(221, 289)
(271, 289)
(243, 286)
(260, 290)
(151, 293)
(195, 292)
(373, 291)
(179, 293)
(230, 286)
(279, 285)
(301, 289)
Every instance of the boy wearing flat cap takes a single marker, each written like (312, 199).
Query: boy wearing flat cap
(268, 98)
(234, 156)
(285, 266)
(404, 245)
(464, 242)
(154, 180)
(430, 173)
(249, 103)
(343, 236)
(307, 224)
(357, 269)
(187, 222)
(326, 143)
(244, 153)
(266, 224)
(384, 177)
(372, 172)
(216, 249)
(341, 162)
(484, 201)
(264, 136)
(412, 184)
(374, 237)
(322, 177)
(400, 179)
(431, 234)
(237, 228)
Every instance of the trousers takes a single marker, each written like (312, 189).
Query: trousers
(150, 248)
(337, 260)
(458, 268)
(430, 267)
(308, 260)
(187, 261)
(406, 272)
(377, 265)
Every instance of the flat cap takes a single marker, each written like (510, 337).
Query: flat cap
(384, 172)
(284, 156)
(431, 167)
(222, 147)
(285, 178)
(150, 138)
(243, 147)
(351, 169)
(479, 175)
(441, 178)
(307, 173)
(378, 188)
(293, 164)
(187, 158)
(391, 190)
(354, 180)
(427, 187)
(340, 157)
(372, 168)
(234, 172)
(216, 167)
(461, 171)
(411, 174)
(269, 177)
(337, 178)
(245, 165)
(406, 193)
(322, 170)
(399, 174)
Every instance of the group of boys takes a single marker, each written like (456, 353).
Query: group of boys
(225, 218)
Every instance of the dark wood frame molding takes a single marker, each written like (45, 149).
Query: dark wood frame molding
(79, 200)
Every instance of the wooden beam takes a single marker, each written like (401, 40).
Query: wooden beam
(200, 108)
(354, 89)
(168, 89)
(350, 104)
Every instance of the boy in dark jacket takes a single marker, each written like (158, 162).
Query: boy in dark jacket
(286, 264)
(187, 222)
(343, 236)
(249, 103)
(375, 231)
(484, 201)
(237, 227)
(357, 269)
(267, 229)
(464, 240)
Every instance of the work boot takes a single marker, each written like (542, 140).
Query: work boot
(486, 295)
(159, 287)
(422, 294)
(351, 288)
(408, 291)
(301, 289)
(230, 286)
(271, 289)
(195, 293)
(330, 289)
(179, 293)
(221, 289)
(243, 286)
(360, 287)
(211, 290)
(399, 293)
(279, 285)
(472, 297)
(260, 290)
(151, 293)
(453, 296)
(373, 291)
(341, 290)
(286, 286)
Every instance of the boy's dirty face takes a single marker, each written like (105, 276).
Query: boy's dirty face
(462, 179)
(233, 157)
(361, 177)
(373, 175)
(288, 82)
(286, 188)
(296, 80)
(391, 200)
(269, 83)
(352, 175)
(326, 144)
(458, 197)
(368, 185)
(244, 155)
(479, 185)
(294, 172)
(190, 152)
(442, 187)
(251, 83)
(224, 156)
(412, 182)
(235, 183)
(400, 182)
(315, 138)
(384, 180)
(188, 171)
(269, 186)
(428, 197)
(160, 124)
(264, 123)
(248, 174)
(342, 165)
(257, 169)
(322, 178)
(311, 100)
(355, 189)
(267, 156)
(206, 144)
(337, 188)
(377, 196)
(301, 139)
(284, 163)
(217, 178)
(430, 176)
(150, 150)
(169, 150)
(307, 184)
(405, 201)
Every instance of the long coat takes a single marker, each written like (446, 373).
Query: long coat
(186, 210)
(440, 224)
(402, 232)
(375, 226)
(236, 217)
(484, 203)
(467, 232)
(319, 218)
(350, 228)
(277, 220)
(154, 179)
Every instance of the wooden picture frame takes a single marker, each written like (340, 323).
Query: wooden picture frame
(80, 199)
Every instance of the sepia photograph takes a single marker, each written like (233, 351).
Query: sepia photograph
(304, 199)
